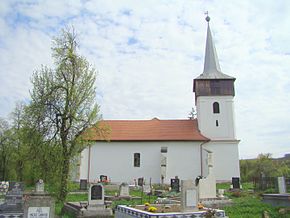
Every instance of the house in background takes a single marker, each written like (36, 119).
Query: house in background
(162, 149)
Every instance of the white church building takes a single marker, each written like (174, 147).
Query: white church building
(159, 150)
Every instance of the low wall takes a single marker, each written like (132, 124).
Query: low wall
(128, 212)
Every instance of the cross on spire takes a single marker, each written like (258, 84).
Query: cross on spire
(207, 17)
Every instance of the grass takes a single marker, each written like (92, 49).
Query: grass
(251, 206)
(248, 204)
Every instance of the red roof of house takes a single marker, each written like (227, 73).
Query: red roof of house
(149, 130)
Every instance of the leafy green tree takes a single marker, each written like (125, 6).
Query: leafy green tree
(6, 149)
(20, 150)
(63, 103)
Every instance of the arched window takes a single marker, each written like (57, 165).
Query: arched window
(216, 108)
(136, 159)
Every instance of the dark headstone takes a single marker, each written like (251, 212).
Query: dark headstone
(236, 182)
(174, 184)
(96, 192)
(83, 184)
(141, 181)
(103, 178)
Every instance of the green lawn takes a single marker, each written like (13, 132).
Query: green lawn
(251, 206)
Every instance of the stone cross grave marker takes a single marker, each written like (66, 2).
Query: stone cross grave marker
(124, 190)
(96, 194)
(282, 185)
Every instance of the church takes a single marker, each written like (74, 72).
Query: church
(159, 150)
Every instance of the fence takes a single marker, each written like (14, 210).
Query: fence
(269, 184)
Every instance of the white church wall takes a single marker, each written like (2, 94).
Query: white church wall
(225, 159)
(207, 119)
(84, 164)
(183, 160)
(116, 160)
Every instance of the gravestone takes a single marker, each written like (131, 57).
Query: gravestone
(140, 181)
(40, 186)
(189, 196)
(124, 190)
(282, 185)
(15, 193)
(103, 178)
(207, 185)
(236, 182)
(83, 184)
(94, 208)
(13, 204)
(174, 184)
(221, 193)
(39, 204)
(96, 194)
(147, 189)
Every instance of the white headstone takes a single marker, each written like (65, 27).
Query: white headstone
(40, 186)
(221, 193)
(124, 190)
(207, 186)
(282, 185)
(189, 195)
(147, 189)
(191, 199)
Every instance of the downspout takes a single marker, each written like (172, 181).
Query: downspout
(89, 163)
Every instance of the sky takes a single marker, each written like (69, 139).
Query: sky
(147, 53)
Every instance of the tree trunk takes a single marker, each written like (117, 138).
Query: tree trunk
(19, 170)
(64, 179)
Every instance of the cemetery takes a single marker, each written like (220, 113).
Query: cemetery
(130, 168)
(186, 198)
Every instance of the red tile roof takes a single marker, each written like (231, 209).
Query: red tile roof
(149, 130)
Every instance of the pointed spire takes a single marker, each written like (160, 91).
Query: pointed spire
(211, 68)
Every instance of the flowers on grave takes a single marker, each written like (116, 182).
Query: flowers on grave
(152, 209)
(200, 206)
(146, 206)
(4, 186)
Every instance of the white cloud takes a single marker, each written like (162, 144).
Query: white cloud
(148, 52)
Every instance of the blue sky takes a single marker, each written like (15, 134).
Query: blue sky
(148, 52)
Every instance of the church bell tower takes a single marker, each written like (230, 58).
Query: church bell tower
(214, 96)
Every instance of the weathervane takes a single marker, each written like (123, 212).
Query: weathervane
(207, 17)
